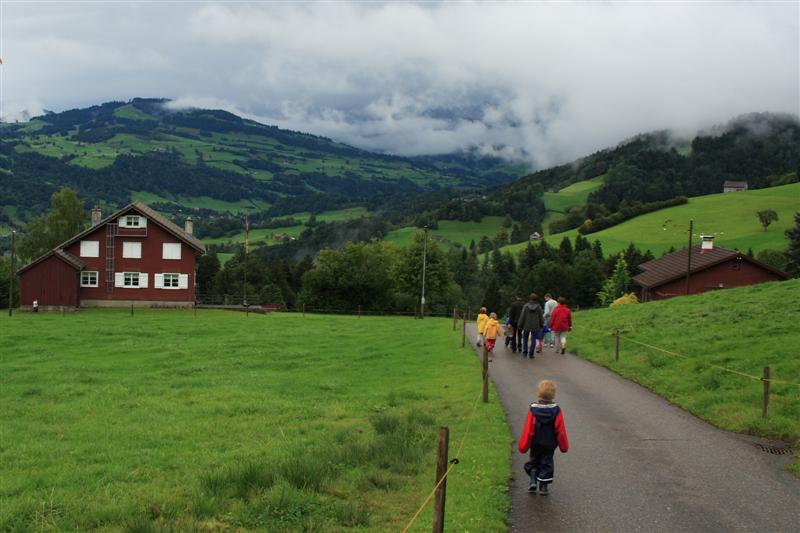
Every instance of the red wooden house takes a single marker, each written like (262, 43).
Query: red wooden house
(711, 269)
(133, 257)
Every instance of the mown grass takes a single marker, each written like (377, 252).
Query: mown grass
(221, 422)
(741, 329)
(731, 217)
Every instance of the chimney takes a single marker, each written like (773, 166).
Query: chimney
(96, 215)
(188, 226)
(706, 242)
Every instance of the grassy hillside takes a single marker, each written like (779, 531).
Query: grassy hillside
(267, 235)
(560, 202)
(730, 217)
(222, 422)
(454, 231)
(90, 149)
(740, 329)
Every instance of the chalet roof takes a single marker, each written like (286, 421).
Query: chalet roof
(65, 256)
(729, 183)
(673, 266)
(142, 209)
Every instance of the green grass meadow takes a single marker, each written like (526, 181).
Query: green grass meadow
(730, 217)
(558, 203)
(742, 329)
(165, 421)
(454, 231)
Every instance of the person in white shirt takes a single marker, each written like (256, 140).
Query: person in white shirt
(549, 306)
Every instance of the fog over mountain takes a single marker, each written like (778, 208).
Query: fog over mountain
(544, 82)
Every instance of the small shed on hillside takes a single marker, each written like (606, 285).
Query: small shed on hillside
(712, 269)
(734, 186)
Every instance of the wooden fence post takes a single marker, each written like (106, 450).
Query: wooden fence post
(455, 317)
(766, 380)
(304, 310)
(485, 367)
(441, 491)
(464, 332)
(616, 350)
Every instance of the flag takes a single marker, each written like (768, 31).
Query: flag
(246, 234)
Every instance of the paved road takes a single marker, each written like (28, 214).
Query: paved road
(638, 463)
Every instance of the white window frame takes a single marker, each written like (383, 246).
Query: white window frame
(90, 249)
(129, 278)
(132, 221)
(96, 278)
(171, 254)
(131, 250)
(171, 281)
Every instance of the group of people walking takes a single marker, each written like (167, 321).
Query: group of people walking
(530, 326)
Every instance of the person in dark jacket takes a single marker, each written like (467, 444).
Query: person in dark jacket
(531, 320)
(514, 311)
(544, 431)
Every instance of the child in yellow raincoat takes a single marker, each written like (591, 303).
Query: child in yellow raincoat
(492, 331)
(481, 323)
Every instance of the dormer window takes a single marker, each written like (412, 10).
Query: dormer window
(132, 221)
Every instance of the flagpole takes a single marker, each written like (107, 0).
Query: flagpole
(246, 250)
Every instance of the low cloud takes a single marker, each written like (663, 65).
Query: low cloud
(547, 82)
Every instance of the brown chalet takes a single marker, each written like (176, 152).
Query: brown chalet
(133, 257)
(712, 269)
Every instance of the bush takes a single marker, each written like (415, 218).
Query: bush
(625, 299)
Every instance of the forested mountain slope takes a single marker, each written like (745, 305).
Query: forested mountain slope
(108, 151)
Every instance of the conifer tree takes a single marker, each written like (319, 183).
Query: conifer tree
(617, 284)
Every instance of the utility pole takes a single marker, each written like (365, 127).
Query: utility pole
(689, 255)
(11, 274)
(424, 264)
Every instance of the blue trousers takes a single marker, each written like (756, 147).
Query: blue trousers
(533, 336)
(541, 467)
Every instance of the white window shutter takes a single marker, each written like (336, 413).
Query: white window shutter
(119, 279)
(142, 280)
(142, 222)
(158, 281)
(183, 281)
(122, 222)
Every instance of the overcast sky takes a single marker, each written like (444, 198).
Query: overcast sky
(551, 80)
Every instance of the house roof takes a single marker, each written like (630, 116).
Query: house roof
(142, 209)
(65, 256)
(673, 266)
(734, 184)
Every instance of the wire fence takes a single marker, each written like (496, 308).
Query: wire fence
(660, 349)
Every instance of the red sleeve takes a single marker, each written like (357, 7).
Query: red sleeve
(526, 438)
(561, 433)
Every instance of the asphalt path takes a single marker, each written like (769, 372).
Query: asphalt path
(637, 462)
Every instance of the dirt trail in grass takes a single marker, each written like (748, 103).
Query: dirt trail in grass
(638, 463)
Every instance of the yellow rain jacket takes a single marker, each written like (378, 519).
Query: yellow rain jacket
(483, 318)
(492, 330)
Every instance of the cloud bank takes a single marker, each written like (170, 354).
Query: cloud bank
(548, 82)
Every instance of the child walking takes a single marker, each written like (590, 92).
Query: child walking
(491, 331)
(481, 323)
(561, 323)
(544, 431)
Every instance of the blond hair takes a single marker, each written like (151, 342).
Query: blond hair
(483, 309)
(547, 390)
(493, 315)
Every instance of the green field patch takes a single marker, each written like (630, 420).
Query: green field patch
(715, 328)
(202, 202)
(453, 231)
(730, 217)
(165, 421)
(559, 203)
(131, 112)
